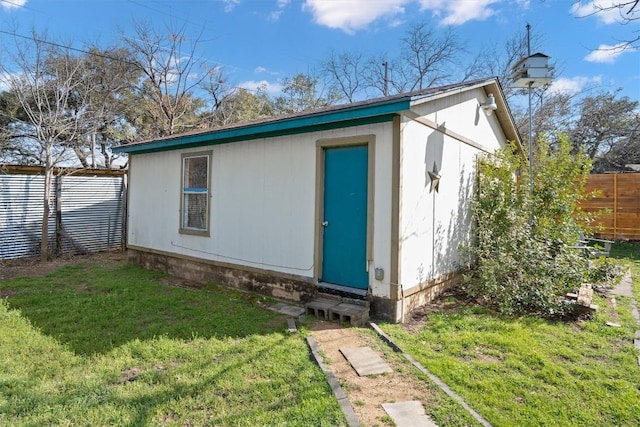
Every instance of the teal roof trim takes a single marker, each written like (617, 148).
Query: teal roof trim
(323, 120)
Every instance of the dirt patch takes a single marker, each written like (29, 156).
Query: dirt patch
(488, 358)
(129, 375)
(6, 293)
(451, 300)
(34, 267)
(367, 394)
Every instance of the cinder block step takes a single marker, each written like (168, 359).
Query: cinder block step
(319, 307)
(334, 310)
(352, 314)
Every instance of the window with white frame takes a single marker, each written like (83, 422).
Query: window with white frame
(195, 193)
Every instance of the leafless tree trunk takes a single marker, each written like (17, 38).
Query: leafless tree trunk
(46, 81)
(172, 70)
(430, 56)
(346, 71)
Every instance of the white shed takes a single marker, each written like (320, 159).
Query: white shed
(370, 199)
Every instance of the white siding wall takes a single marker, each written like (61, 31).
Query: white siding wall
(263, 202)
(432, 225)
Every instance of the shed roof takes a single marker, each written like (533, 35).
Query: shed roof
(336, 116)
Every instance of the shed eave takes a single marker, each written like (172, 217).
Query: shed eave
(276, 127)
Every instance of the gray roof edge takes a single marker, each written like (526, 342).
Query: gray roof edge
(343, 112)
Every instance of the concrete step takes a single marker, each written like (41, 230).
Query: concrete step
(335, 310)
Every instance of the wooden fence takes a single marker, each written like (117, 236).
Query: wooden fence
(617, 205)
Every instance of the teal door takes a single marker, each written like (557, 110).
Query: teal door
(344, 249)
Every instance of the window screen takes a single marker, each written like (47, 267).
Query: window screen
(195, 193)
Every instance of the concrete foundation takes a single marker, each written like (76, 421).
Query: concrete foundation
(292, 288)
(270, 283)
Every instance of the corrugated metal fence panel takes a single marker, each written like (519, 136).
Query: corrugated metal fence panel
(21, 210)
(91, 212)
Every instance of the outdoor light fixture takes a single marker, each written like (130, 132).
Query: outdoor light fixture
(490, 105)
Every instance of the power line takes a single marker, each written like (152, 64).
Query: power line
(34, 38)
(21, 6)
(12, 3)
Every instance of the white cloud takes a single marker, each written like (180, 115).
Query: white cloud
(229, 5)
(269, 87)
(457, 12)
(571, 86)
(275, 15)
(12, 4)
(260, 69)
(352, 15)
(606, 11)
(606, 54)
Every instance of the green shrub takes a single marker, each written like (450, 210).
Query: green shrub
(524, 257)
(605, 272)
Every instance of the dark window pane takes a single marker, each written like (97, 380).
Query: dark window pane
(195, 172)
(195, 211)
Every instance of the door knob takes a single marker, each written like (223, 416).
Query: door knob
(325, 223)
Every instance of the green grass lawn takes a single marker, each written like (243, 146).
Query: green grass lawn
(108, 344)
(525, 371)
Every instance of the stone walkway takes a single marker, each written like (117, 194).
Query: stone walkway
(374, 389)
(379, 389)
(384, 379)
(625, 288)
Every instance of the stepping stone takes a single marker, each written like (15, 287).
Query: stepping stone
(289, 310)
(292, 326)
(625, 287)
(408, 414)
(365, 361)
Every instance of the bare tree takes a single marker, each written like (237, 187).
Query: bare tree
(173, 71)
(377, 76)
(627, 11)
(44, 79)
(429, 56)
(346, 73)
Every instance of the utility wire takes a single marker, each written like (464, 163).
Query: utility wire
(12, 3)
(103, 55)
(21, 6)
(113, 58)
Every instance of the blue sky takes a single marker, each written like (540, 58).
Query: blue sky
(264, 41)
